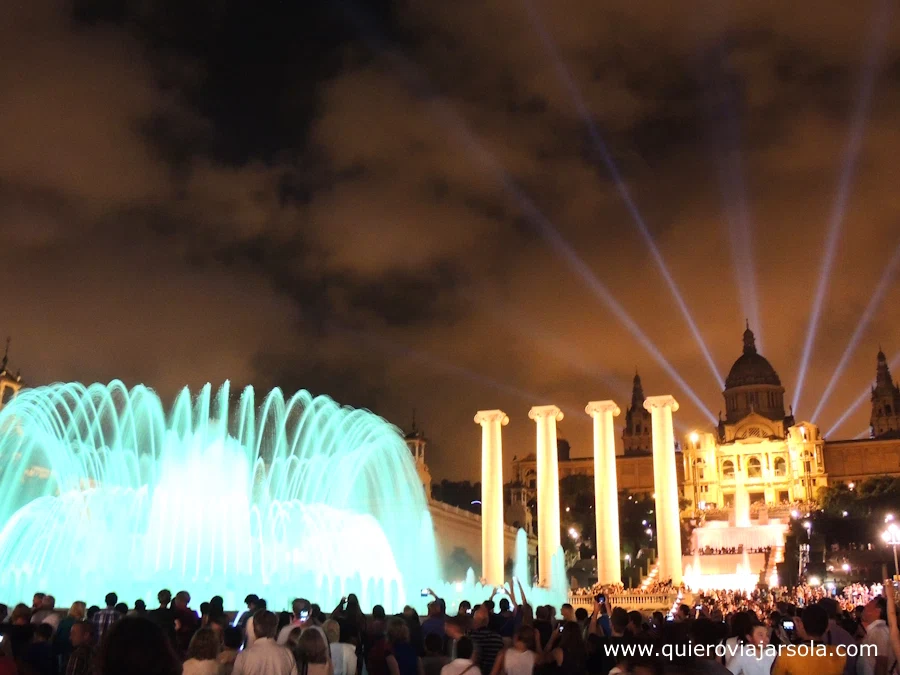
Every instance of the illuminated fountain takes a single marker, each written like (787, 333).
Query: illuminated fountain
(101, 491)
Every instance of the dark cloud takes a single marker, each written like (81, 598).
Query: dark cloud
(342, 197)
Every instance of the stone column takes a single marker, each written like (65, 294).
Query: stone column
(606, 492)
(665, 482)
(546, 417)
(492, 554)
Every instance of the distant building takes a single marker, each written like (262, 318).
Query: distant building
(885, 420)
(780, 460)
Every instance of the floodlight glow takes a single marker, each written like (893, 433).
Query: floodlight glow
(622, 189)
(883, 284)
(695, 438)
(815, 581)
(880, 27)
(487, 160)
(845, 567)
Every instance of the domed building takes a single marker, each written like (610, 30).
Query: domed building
(753, 386)
(756, 444)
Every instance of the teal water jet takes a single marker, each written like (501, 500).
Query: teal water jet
(101, 490)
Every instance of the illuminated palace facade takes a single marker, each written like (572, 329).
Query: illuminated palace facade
(757, 443)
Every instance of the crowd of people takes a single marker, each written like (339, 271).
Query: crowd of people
(506, 637)
(728, 550)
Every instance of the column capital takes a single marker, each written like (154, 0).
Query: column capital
(487, 416)
(595, 407)
(545, 411)
(660, 402)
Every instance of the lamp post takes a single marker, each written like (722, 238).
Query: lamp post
(891, 536)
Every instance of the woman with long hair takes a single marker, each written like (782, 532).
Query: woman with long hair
(566, 650)
(520, 658)
(136, 646)
(203, 654)
(310, 649)
(61, 645)
(403, 658)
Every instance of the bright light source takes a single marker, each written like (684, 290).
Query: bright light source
(649, 531)
(459, 586)
(702, 504)
(627, 557)
(852, 485)
(844, 513)
(845, 567)
(807, 525)
(795, 514)
(644, 523)
(476, 501)
(830, 585)
(654, 495)
(567, 509)
(573, 533)
(695, 437)
(815, 581)
(889, 517)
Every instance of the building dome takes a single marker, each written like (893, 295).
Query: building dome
(753, 386)
(751, 368)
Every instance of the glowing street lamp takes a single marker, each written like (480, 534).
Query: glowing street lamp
(573, 533)
(695, 438)
(845, 567)
(891, 537)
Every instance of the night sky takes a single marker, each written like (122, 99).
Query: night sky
(408, 205)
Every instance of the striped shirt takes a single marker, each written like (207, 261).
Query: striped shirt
(487, 645)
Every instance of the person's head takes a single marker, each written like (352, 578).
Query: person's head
(542, 613)
(251, 601)
(164, 597)
(48, 602)
(571, 641)
(757, 635)
(527, 614)
(332, 631)
(464, 648)
(464, 607)
(618, 619)
(524, 639)
(204, 609)
(658, 619)
(434, 645)
(504, 604)
(815, 621)
(297, 606)
(93, 609)
(182, 600)
(218, 622)
(78, 610)
(704, 632)
(82, 633)
(481, 618)
(635, 622)
(232, 638)
(43, 632)
(111, 600)
(874, 610)
(489, 605)
(204, 645)
(37, 600)
(121, 608)
(378, 613)
(264, 624)
(741, 623)
(397, 631)
(353, 603)
(140, 606)
(568, 612)
(21, 615)
(684, 612)
(308, 646)
(831, 607)
(581, 615)
(433, 609)
(217, 603)
(136, 646)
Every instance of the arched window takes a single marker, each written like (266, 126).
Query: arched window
(754, 468)
(728, 469)
(780, 466)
